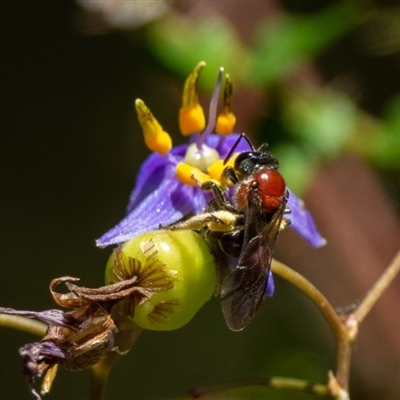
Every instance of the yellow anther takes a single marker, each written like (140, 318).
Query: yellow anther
(191, 114)
(217, 168)
(191, 119)
(231, 161)
(225, 123)
(190, 175)
(226, 120)
(155, 137)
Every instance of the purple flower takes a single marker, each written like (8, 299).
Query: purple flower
(161, 195)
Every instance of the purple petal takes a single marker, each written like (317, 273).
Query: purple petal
(302, 221)
(270, 288)
(42, 350)
(168, 203)
(152, 172)
(223, 144)
(49, 317)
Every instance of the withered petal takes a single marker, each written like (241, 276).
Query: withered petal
(67, 300)
(40, 351)
(114, 291)
(49, 317)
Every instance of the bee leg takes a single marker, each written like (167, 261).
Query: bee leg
(196, 223)
(220, 198)
(284, 223)
(229, 173)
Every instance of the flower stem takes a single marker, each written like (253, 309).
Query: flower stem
(353, 321)
(313, 293)
(345, 329)
(23, 324)
(101, 371)
(343, 364)
(277, 382)
(100, 374)
(377, 290)
(338, 326)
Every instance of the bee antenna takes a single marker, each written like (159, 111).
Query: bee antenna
(233, 148)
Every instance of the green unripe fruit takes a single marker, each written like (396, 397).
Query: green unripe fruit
(175, 271)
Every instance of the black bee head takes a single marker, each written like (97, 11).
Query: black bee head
(249, 162)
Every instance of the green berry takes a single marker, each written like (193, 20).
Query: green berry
(176, 276)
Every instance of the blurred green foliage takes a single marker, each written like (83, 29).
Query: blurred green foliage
(180, 43)
(318, 123)
(283, 44)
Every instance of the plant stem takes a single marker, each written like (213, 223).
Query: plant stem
(337, 325)
(343, 363)
(377, 290)
(100, 374)
(353, 321)
(345, 329)
(23, 324)
(277, 382)
(101, 371)
(314, 294)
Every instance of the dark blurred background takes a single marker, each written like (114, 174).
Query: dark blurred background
(318, 80)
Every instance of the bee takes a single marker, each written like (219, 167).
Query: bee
(245, 228)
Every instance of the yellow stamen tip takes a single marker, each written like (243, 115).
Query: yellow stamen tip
(226, 119)
(231, 161)
(191, 119)
(217, 168)
(155, 137)
(191, 114)
(190, 175)
(162, 144)
(225, 123)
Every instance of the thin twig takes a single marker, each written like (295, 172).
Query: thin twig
(343, 365)
(313, 293)
(23, 324)
(100, 374)
(277, 382)
(353, 321)
(336, 323)
(377, 290)
(101, 371)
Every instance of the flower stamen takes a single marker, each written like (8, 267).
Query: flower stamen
(191, 114)
(216, 169)
(190, 175)
(155, 137)
(226, 119)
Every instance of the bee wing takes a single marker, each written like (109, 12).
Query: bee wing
(243, 289)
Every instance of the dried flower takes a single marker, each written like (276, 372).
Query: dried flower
(79, 338)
